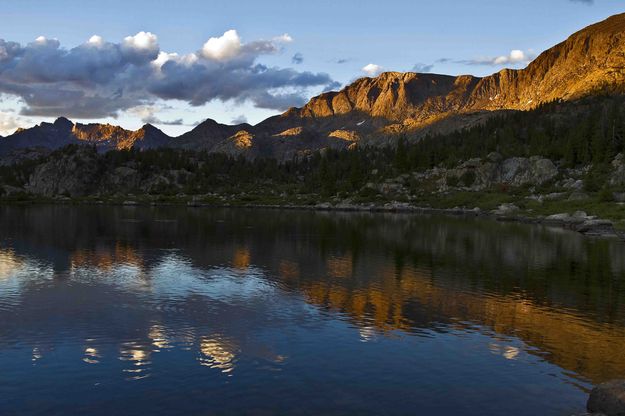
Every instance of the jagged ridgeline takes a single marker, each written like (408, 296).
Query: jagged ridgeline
(579, 142)
(377, 111)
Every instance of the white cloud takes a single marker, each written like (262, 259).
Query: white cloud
(9, 123)
(515, 57)
(284, 38)
(142, 41)
(96, 40)
(223, 48)
(372, 69)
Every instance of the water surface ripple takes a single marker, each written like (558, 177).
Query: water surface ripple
(167, 311)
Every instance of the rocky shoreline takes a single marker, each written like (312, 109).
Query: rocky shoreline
(578, 221)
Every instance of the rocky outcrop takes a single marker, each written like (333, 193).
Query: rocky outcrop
(478, 174)
(235, 145)
(72, 174)
(110, 137)
(617, 178)
(608, 399)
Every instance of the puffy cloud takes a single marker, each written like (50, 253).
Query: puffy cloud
(372, 69)
(515, 57)
(95, 41)
(222, 48)
(140, 48)
(422, 68)
(229, 47)
(100, 78)
(142, 41)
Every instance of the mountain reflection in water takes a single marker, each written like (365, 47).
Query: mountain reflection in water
(263, 309)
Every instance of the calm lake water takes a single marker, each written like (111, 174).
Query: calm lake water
(176, 311)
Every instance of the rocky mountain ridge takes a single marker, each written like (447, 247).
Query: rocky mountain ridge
(373, 110)
(63, 132)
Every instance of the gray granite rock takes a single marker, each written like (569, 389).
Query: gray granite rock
(608, 399)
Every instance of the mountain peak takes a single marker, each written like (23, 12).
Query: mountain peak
(149, 127)
(63, 122)
(372, 109)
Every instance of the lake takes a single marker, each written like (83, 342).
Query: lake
(192, 311)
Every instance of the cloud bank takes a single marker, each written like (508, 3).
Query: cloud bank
(515, 57)
(101, 79)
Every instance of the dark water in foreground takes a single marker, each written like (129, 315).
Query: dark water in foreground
(138, 311)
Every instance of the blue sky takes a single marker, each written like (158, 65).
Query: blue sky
(258, 70)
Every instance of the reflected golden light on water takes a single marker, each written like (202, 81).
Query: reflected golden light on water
(509, 352)
(159, 340)
(340, 267)
(9, 264)
(105, 259)
(217, 354)
(288, 270)
(92, 356)
(241, 259)
(367, 333)
(139, 357)
(571, 342)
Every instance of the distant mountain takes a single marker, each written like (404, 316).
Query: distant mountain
(104, 136)
(372, 110)
(208, 134)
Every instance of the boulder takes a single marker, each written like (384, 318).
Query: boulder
(518, 171)
(570, 183)
(596, 227)
(564, 216)
(580, 214)
(608, 399)
(506, 209)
